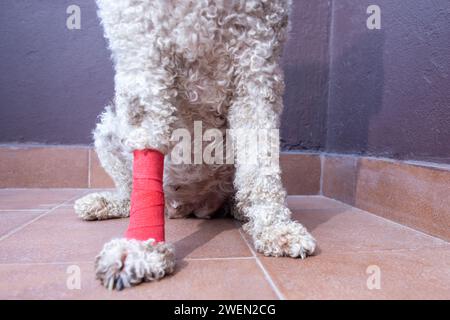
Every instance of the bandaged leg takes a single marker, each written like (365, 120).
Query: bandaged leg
(142, 256)
(147, 197)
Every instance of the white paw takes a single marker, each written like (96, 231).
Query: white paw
(285, 239)
(91, 207)
(101, 206)
(124, 263)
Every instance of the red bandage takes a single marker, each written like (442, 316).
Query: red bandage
(147, 197)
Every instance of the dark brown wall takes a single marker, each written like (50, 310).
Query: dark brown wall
(349, 89)
(306, 70)
(390, 88)
(53, 81)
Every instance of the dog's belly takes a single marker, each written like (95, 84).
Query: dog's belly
(199, 188)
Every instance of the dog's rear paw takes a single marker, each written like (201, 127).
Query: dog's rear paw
(285, 239)
(101, 206)
(124, 263)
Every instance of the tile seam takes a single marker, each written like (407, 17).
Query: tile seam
(322, 164)
(218, 258)
(92, 261)
(24, 210)
(266, 274)
(15, 230)
(89, 169)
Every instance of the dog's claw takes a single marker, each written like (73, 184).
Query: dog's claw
(119, 284)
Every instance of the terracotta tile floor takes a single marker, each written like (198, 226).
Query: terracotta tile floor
(41, 239)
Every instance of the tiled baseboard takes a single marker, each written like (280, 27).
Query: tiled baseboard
(79, 167)
(413, 194)
(44, 167)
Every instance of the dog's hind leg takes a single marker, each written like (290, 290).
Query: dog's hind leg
(117, 162)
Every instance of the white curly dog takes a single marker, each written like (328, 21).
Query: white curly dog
(176, 62)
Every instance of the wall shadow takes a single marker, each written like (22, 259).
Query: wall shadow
(355, 98)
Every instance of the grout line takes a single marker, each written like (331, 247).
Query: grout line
(30, 145)
(90, 262)
(89, 168)
(44, 188)
(356, 251)
(43, 210)
(263, 269)
(322, 165)
(56, 263)
(269, 279)
(306, 196)
(7, 235)
(219, 259)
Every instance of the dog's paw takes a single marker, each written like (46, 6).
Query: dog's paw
(285, 239)
(101, 206)
(91, 207)
(124, 263)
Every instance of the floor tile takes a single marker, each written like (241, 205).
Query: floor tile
(314, 202)
(408, 274)
(14, 199)
(216, 238)
(214, 261)
(338, 227)
(10, 220)
(349, 230)
(225, 279)
(61, 237)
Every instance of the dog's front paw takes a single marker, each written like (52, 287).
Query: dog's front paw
(91, 207)
(124, 263)
(101, 206)
(285, 239)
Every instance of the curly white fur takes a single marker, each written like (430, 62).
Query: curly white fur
(102, 206)
(180, 61)
(123, 263)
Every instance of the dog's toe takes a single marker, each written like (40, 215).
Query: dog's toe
(124, 263)
(101, 206)
(91, 207)
(287, 239)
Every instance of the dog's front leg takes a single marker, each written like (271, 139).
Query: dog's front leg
(260, 195)
(142, 255)
(146, 111)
